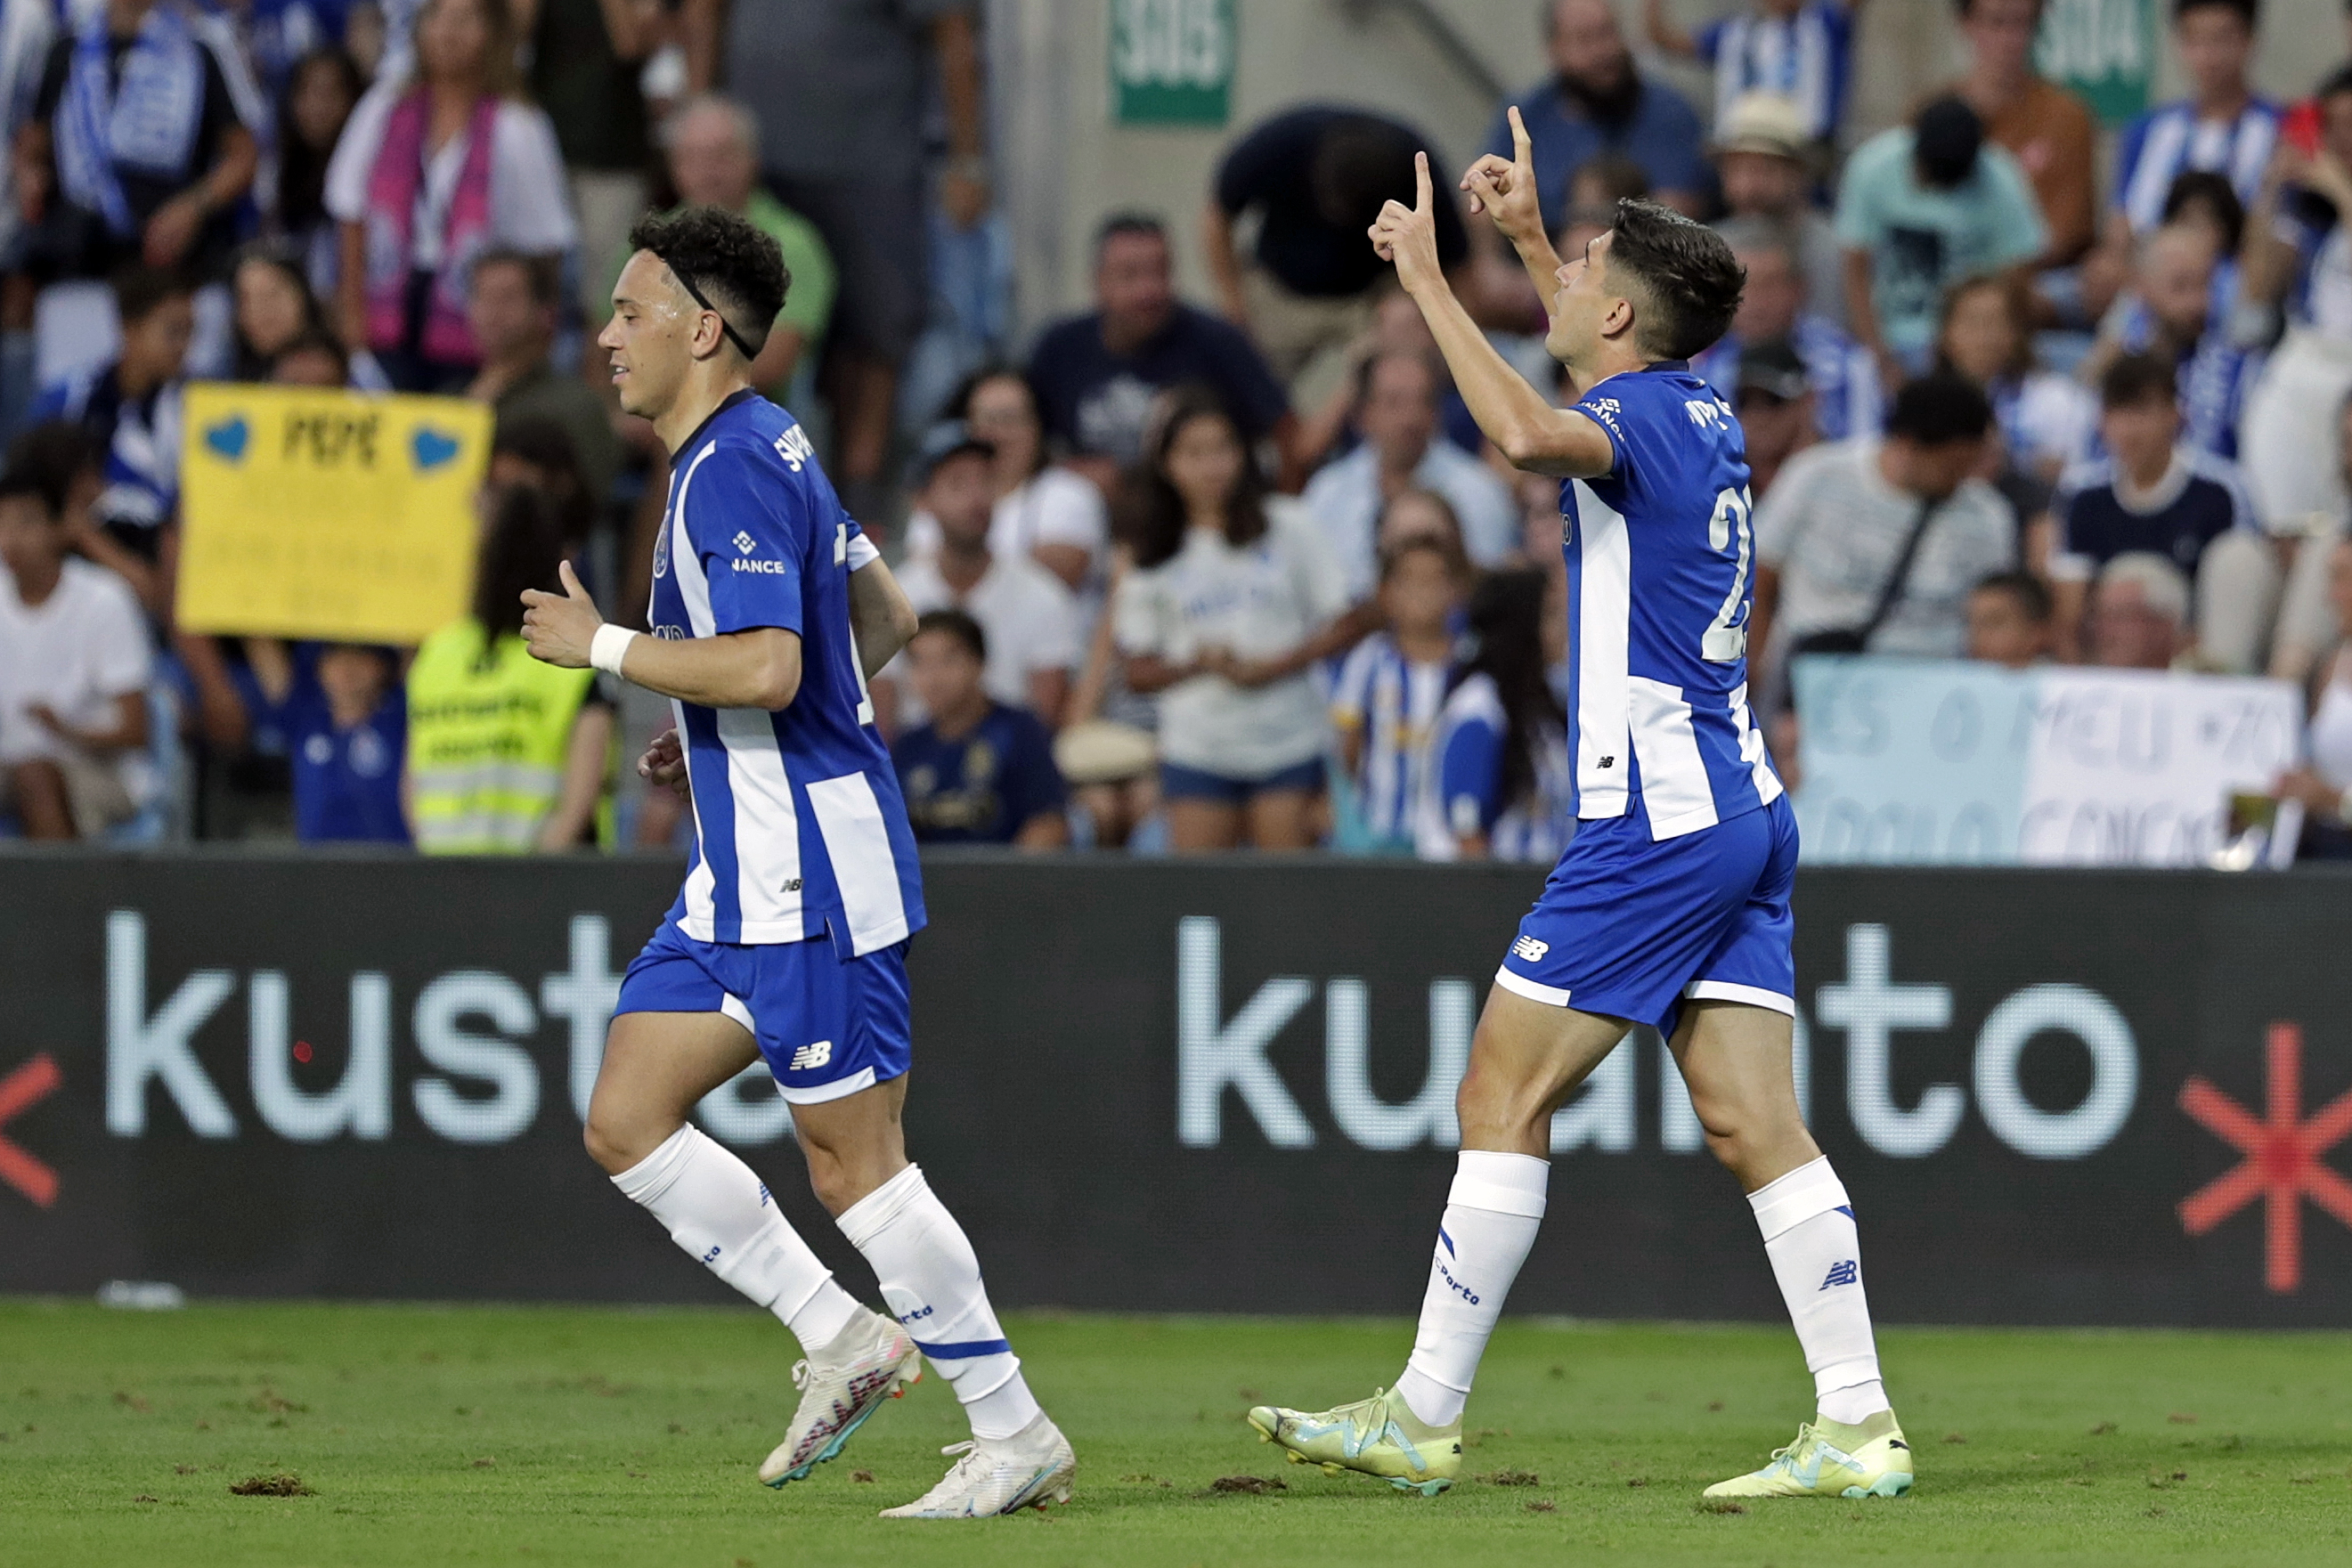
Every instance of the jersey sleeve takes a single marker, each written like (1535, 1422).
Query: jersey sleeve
(750, 525)
(1351, 692)
(1470, 776)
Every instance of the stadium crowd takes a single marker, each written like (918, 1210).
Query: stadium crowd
(1193, 575)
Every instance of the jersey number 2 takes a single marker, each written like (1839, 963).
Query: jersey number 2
(856, 664)
(1724, 642)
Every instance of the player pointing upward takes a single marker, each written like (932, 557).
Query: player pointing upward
(1671, 906)
(789, 940)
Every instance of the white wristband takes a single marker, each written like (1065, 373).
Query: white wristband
(609, 647)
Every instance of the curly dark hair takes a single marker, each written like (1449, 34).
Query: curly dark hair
(728, 265)
(1147, 514)
(1684, 273)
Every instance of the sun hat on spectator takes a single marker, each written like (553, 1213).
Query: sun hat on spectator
(1767, 123)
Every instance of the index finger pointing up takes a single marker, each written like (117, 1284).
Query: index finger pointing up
(1421, 182)
(1522, 146)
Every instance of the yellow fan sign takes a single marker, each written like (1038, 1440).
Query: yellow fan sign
(339, 516)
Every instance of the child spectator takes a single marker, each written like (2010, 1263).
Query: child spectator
(345, 721)
(1799, 48)
(1500, 786)
(2172, 311)
(312, 360)
(63, 460)
(274, 306)
(2009, 621)
(2046, 421)
(1232, 603)
(130, 409)
(1392, 684)
(1426, 515)
(979, 772)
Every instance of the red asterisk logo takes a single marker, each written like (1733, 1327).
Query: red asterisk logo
(2282, 1165)
(28, 1085)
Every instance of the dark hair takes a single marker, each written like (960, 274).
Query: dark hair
(1965, 6)
(521, 549)
(2249, 12)
(1940, 407)
(1373, 361)
(959, 404)
(1947, 136)
(724, 261)
(139, 291)
(1444, 509)
(301, 168)
(958, 624)
(2032, 595)
(2213, 188)
(1685, 274)
(251, 364)
(53, 455)
(2334, 81)
(1447, 550)
(538, 273)
(1507, 618)
(2136, 379)
(1149, 513)
(317, 341)
(546, 446)
(13, 485)
(1359, 163)
(2016, 298)
(1137, 225)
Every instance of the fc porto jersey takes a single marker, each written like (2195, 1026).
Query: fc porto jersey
(1660, 560)
(799, 828)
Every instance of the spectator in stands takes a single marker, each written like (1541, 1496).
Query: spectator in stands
(1095, 375)
(1391, 687)
(274, 307)
(1043, 510)
(1759, 156)
(2009, 621)
(2046, 421)
(2308, 623)
(1921, 207)
(510, 313)
(1597, 101)
(1316, 179)
(321, 90)
(535, 451)
(2324, 785)
(506, 755)
(1802, 49)
(2150, 494)
(276, 35)
(313, 359)
(429, 177)
(1396, 324)
(844, 89)
(1029, 618)
(1876, 542)
(586, 56)
(1600, 183)
(1232, 603)
(2170, 311)
(1843, 379)
(2139, 613)
(1412, 515)
(1501, 786)
(978, 772)
(1398, 415)
(2222, 125)
(1774, 400)
(131, 409)
(74, 667)
(2045, 128)
(345, 720)
(713, 147)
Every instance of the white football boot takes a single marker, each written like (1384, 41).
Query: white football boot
(998, 1476)
(870, 1361)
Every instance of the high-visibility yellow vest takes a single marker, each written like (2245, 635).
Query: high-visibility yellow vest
(488, 734)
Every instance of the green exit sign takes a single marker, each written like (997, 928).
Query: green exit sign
(2104, 50)
(1172, 62)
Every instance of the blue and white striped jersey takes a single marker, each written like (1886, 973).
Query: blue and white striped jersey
(1660, 552)
(2169, 140)
(1803, 57)
(1464, 796)
(1393, 703)
(799, 828)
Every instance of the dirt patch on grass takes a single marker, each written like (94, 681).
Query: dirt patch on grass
(285, 1483)
(1250, 1485)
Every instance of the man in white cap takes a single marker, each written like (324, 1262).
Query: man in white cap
(1759, 156)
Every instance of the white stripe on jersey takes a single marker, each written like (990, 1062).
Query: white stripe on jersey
(1396, 704)
(1752, 750)
(1603, 640)
(1675, 789)
(857, 841)
(2178, 141)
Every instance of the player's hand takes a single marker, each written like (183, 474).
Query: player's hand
(1408, 236)
(558, 627)
(1505, 189)
(664, 764)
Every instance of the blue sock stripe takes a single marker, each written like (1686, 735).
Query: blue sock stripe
(1846, 1209)
(965, 1349)
(1447, 1239)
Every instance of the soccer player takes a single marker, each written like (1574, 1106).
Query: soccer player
(1671, 906)
(789, 941)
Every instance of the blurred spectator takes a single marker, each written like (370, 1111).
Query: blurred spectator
(1391, 687)
(1802, 49)
(2046, 128)
(2205, 202)
(2307, 622)
(1029, 619)
(1401, 451)
(130, 409)
(713, 145)
(510, 312)
(1921, 207)
(274, 308)
(1596, 101)
(74, 667)
(535, 451)
(1774, 400)
(1500, 786)
(1872, 545)
(1600, 183)
(62, 459)
(1316, 179)
(1095, 375)
(2169, 311)
(2009, 621)
(1759, 153)
(345, 720)
(1843, 378)
(313, 359)
(321, 90)
(1396, 324)
(2222, 125)
(586, 56)
(2325, 783)
(428, 178)
(506, 755)
(978, 772)
(842, 87)
(2151, 495)
(1108, 752)
(2046, 421)
(2139, 613)
(379, 49)
(1043, 510)
(1424, 516)
(1232, 602)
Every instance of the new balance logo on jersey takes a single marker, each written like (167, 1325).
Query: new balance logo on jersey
(1844, 1273)
(1530, 950)
(810, 1057)
(794, 447)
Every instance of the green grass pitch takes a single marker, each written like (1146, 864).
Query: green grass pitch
(580, 1436)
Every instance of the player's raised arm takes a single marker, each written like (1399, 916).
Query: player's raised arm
(1504, 190)
(759, 668)
(1517, 417)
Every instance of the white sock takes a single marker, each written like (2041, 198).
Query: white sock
(1491, 1218)
(1816, 1253)
(931, 1279)
(718, 1210)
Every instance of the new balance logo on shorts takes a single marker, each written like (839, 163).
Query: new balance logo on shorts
(1844, 1273)
(1530, 950)
(809, 1056)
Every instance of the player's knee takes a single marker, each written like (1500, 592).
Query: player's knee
(613, 1142)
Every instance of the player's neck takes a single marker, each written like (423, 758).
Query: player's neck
(696, 401)
(1613, 359)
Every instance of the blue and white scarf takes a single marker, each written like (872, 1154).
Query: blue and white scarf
(146, 123)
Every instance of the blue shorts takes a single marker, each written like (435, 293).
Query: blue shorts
(1628, 927)
(829, 1026)
(1178, 782)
